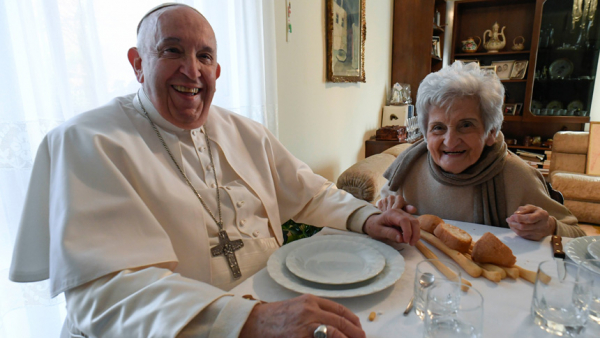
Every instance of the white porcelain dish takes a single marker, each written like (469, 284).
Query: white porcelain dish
(392, 271)
(577, 250)
(337, 261)
(594, 249)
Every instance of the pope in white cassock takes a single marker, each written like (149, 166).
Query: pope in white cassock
(145, 211)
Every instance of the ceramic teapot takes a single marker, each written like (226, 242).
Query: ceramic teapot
(469, 45)
(518, 45)
(494, 43)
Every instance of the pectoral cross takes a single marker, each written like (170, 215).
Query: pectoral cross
(228, 247)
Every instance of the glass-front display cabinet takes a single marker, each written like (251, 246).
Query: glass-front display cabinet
(567, 58)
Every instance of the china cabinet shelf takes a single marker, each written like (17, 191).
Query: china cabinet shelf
(513, 146)
(513, 118)
(437, 28)
(513, 80)
(492, 54)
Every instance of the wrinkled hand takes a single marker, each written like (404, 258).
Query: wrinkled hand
(300, 317)
(394, 224)
(395, 202)
(532, 222)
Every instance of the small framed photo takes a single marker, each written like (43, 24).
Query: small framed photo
(435, 47)
(488, 70)
(509, 109)
(503, 69)
(519, 69)
(518, 108)
(465, 61)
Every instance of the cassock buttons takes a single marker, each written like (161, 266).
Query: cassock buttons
(209, 167)
(213, 185)
(255, 233)
(239, 204)
(193, 133)
(242, 222)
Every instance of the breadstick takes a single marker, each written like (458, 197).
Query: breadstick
(527, 275)
(468, 265)
(489, 272)
(511, 272)
(492, 267)
(439, 265)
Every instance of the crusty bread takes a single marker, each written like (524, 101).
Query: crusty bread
(489, 249)
(455, 238)
(429, 222)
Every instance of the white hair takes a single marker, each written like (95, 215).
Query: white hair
(441, 89)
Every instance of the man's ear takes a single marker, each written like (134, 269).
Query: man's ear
(491, 138)
(218, 70)
(136, 62)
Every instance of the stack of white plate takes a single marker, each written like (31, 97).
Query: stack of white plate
(336, 266)
(583, 249)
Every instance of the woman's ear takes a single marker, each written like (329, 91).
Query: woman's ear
(136, 63)
(491, 138)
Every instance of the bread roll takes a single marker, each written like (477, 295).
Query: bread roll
(489, 249)
(429, 222)
(455, 238)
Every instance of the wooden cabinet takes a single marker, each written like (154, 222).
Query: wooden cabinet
(525, 18)
(413, 32)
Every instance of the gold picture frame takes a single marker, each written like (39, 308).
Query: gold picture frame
(488, 70)
(346, 33)
(592, 166)
(519, 69)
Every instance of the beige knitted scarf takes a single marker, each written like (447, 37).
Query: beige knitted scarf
(486, 175)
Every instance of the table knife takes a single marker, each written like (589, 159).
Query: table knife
(559, 256)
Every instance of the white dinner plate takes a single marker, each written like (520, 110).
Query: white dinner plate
(394, 267)
(336, 261)
(594, 249)
(577, 250)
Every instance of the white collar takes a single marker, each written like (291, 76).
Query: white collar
(155, 115)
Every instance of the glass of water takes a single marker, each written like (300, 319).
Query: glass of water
(427, 271)
(453, 312)
(561, 298)
(594, 266)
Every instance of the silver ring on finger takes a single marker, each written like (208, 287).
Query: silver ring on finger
(320, 332)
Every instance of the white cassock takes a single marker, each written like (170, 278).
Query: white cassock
(111, 222)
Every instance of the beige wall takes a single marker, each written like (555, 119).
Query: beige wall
(325, 124)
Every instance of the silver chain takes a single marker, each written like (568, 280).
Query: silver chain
(220, 221)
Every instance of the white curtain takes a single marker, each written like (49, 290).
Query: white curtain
(59, 58)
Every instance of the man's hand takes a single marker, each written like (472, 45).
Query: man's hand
(394, 224)
(532, 222)
(300, 317)
(395, 202)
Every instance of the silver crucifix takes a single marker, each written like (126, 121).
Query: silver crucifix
(228, 247)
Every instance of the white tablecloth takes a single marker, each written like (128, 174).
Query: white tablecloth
(506, 304)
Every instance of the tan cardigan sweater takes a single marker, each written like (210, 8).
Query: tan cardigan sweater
(524, 185)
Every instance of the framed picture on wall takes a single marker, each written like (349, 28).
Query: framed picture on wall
(346, 32)
(509, 109)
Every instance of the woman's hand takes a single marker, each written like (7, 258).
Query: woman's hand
(300, 317)
(395, 202)
(532, 222)
(394, 224)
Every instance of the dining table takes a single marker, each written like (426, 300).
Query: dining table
(506, 305)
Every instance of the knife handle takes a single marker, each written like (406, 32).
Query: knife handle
(557, 247)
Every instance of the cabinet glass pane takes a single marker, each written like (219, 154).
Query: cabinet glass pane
(567, 58)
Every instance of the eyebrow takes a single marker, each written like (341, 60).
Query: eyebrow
(178, 40)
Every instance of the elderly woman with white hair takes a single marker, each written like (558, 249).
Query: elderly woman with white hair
(462, 169)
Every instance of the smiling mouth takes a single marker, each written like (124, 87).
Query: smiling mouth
(187, 90)
(454, 152)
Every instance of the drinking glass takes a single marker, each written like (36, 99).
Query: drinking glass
(428, 266)
(560, 305)
(594, 266)
(451, 312)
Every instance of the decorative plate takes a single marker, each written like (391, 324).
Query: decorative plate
(561, 68)
(575, 105)
(554, 105)
(394, 267)
(594, 249)
(577, 249)
(337, 261)
(536, 104)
